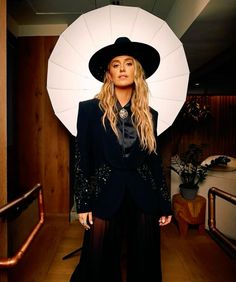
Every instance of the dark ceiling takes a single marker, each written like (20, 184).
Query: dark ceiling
(209, 41)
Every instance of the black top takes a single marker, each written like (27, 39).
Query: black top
(126, 129)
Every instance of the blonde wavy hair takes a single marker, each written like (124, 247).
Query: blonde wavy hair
(141, 116)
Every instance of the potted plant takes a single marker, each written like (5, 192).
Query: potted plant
(188, 166)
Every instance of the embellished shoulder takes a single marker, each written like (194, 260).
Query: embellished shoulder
(88, 110)
(89, 104)
(153, 112)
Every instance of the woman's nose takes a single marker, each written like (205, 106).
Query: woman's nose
(122, 67)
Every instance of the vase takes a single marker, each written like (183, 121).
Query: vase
(188, 192)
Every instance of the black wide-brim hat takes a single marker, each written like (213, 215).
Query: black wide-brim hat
(147, 56)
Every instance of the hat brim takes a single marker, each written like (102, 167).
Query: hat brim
(147, 56)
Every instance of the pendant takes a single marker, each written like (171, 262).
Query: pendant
(123, 113)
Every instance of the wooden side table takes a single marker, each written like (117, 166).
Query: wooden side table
(189, 212)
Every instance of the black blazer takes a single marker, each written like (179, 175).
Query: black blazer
(103, 175)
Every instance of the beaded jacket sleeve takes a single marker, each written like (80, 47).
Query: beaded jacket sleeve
(82, 191)
(156, 168)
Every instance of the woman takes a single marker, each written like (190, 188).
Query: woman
(120, 190)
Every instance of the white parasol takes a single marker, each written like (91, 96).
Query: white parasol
(69, 80)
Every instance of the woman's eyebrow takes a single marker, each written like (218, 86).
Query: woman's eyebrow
(115, 61)
(118, 61)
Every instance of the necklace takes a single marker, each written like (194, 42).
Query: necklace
(123, 113)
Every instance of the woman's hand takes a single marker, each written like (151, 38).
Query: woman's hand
(164, 220)
(85, 219)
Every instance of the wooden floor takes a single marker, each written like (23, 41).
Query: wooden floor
(196, 258)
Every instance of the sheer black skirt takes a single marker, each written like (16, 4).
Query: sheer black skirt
(124, 248)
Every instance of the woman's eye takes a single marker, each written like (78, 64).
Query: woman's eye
(115, 65)
(129, 63)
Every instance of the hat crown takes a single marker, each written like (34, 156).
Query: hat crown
(122, 40)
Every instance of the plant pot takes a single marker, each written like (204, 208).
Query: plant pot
(188, 192)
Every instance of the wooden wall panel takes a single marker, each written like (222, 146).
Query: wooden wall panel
(218, 133)
(3, 105)
(3, 133)
(43, 142)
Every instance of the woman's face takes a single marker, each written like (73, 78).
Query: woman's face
(121, 71)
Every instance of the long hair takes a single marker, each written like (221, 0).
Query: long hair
(141, 116)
